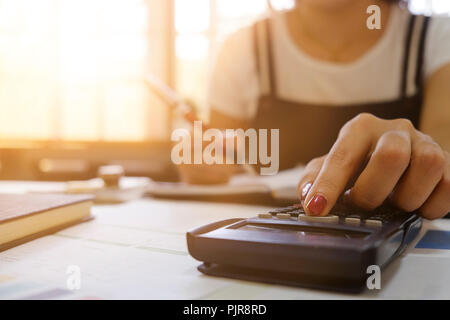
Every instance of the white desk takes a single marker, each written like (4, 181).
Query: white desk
(137, 250)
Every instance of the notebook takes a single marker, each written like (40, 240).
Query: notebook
(278, 189)
(24, 217)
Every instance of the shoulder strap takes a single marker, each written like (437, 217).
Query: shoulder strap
(421, 56)
(413, 59)
(262, 35)
(270, 58)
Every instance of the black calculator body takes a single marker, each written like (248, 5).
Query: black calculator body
(284, 246)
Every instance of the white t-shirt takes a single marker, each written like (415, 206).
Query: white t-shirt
(374, 77)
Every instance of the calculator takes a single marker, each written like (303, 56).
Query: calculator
(285, 246)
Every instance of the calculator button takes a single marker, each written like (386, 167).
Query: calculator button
(353, 221)
(281, 210)
(374, 223)
(326, 219)
(265, 216)
(283, 216)
(275, 211)
(297, 212)
(377, 217)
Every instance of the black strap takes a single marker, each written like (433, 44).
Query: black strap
(418, 76)
(256, 51)
(406, 56)
(270, 59)
(271, 82)
(421, 56)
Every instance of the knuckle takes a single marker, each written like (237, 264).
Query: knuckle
(425, 137)
(445, 184)
(397, 137)
(364, 118)
(361, 121)
(404, 124)
(430, 156)
(394, 149)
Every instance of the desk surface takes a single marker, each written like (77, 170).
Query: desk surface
(137, 250)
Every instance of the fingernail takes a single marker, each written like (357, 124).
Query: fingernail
(305, 191)
(317, 204)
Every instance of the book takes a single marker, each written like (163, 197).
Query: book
(24, 217)
(278, 189)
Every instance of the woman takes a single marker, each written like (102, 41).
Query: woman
(375, 102)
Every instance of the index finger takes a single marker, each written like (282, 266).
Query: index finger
(344, 159)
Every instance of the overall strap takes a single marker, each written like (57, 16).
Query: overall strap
(264, 57)
(413, 59)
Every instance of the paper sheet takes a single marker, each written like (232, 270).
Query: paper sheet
(137, 250)
(241, 184)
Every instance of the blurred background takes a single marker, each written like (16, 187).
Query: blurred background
(72, 95)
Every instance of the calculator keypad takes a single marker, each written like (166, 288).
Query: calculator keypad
(348, 215)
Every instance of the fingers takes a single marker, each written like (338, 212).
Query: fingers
(345, 158)
(406, 166)
(438, 204)
(312, 169)
(387, 163)
(424, 173)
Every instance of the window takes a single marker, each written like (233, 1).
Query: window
(72, 69)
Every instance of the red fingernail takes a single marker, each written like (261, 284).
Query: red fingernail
(317, 204)
(305, 191)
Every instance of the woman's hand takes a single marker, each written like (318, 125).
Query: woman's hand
(208, 173)
(403, 164)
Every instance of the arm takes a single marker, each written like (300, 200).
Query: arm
(233, 89)
(436, 109)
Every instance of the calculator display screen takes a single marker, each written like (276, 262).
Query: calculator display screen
(303, 230)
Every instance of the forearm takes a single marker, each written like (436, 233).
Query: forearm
(436, 109)
(441, 134)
